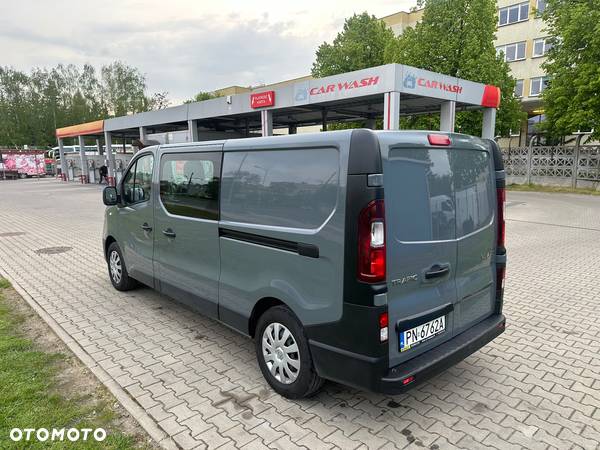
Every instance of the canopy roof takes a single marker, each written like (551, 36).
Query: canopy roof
(96, 127)
(344, 97)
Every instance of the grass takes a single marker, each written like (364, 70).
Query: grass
(31, 395)
(560, 189)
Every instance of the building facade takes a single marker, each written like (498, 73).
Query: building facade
(522, 40)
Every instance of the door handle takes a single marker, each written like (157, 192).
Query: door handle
(146, 227)
(437, 271)
(169, 233)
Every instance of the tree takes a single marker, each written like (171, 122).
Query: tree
(456, 38)
(33, 105)
(124, 89)
(359, 45)
(572, 98)
(201, 96)
(15, 116)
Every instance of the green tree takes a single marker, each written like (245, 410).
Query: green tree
(15, 115)
(124, 90)
(456, 38)
(33, 105)
(201, 96)
(572, 98)
(359, 45)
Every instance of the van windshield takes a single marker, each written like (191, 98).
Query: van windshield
(439, 193)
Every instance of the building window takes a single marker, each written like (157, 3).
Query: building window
(519, 88)
(512, 52)
(540, 7)
(538, 85)
(541, 46)
(513, 14)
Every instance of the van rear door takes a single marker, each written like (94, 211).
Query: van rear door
(439, 238)
(475, 200)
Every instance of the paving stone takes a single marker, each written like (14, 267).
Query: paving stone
(536, 386)
(185, 440)
(171, 425)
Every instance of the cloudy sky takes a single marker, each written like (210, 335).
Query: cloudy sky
(183, 46)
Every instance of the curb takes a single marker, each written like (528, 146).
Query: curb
(132, 407)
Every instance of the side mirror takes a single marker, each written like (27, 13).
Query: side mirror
(110, 197)
(138, 193)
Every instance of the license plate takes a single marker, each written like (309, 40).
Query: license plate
(424, 332)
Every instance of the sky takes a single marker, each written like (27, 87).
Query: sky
(182, 46)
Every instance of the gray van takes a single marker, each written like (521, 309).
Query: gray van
(372, 258)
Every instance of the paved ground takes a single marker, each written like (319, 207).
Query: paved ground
(537, 386)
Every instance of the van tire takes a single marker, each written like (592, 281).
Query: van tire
(307, 382)
(120, 280)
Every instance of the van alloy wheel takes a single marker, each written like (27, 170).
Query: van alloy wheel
(281, 353)
(116, 270)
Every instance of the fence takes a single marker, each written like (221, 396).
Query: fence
(575, 166)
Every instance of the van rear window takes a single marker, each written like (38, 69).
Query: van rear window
(437, 194)
(287, 188)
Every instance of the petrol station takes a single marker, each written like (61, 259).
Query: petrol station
(385, 92)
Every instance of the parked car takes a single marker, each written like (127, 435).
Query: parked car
(374, 259)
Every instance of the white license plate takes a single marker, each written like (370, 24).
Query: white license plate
(424, 332)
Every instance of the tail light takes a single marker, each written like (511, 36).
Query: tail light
(408, 380)
(383, 327)
(501, 196)
(438, 139)
(371, 243)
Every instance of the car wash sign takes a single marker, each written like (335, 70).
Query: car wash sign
(429, 84)
(352, 84)
(411, 81)
(343, 86)
(262, 99)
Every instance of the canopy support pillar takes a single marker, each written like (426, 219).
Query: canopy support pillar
(83, 159)
(64, 170)
(111, 158)
(489, 123)
(448, 116)
(193, 130)
(266, 121)
(142, 137)
(391, 111)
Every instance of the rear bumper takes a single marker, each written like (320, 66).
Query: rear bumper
(371, 374)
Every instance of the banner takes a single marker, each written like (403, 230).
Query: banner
(27, 163)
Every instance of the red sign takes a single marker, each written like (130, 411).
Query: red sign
(262, 99)
(345, 86)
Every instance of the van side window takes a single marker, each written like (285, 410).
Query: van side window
(288, 188)
(128, 183)
(189, 184)
(137, 185)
